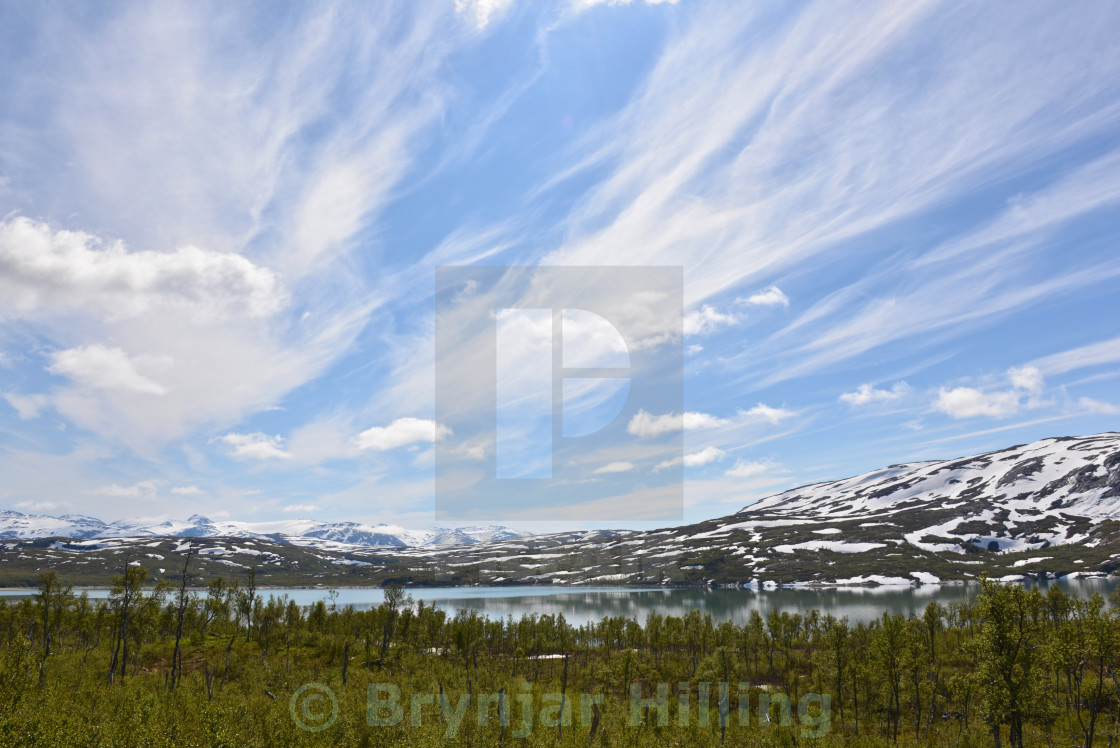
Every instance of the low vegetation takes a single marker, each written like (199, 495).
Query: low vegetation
(231, 666)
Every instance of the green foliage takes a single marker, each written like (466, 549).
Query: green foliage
(1010, 665)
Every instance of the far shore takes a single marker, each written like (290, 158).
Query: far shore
(766, 587)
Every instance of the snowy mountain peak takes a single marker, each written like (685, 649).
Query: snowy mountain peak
(1020, 498)
(18, 526)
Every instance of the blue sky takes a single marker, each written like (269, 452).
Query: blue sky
(219, 226)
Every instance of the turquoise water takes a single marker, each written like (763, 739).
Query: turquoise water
(582, 604)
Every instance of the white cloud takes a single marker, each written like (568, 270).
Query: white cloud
(43, 506)
(694, 421)
(614, 467)
(750, 189)
(771, 296)
(302, 508)
(746, 469)
(135, 491)
(41, 266)
(866, 394)
(1098, 407)
(256, 446)
(27, 406)
(1027, 378)
(967, 402)
(483, 12)
(186, 490)
(208, 197)
(645, 424)
(399, 433)
(474, 449)
(101, 367)
(962, 284)
(704, 456)
(694, 459)
(1096, 354)
(706, 320)
(584, 4)
(768, 413)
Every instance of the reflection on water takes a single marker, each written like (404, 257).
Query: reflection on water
(582, 604)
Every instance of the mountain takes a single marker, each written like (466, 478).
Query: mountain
(18, 526)
(1051, 508)
(473, 535)
(1022, 498)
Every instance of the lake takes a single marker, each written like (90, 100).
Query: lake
(582, 604)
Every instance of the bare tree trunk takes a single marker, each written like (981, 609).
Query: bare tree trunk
(563, 692)
(501, 717)
(252, 602)
(225, 671)
(177, 655)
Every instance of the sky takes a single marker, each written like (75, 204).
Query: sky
(220, 224)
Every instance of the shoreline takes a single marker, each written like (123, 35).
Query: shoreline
(745, 586)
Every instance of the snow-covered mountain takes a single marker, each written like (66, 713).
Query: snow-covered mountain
(1022, 498)
(1050, 508)
(1047, 508)
(19, 526)
(15, 525)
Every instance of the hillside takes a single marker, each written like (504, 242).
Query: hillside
(1047, 508)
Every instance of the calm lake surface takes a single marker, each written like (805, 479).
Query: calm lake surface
(582, 604)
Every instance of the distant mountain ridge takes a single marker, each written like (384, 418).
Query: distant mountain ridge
(1046, 509)
(19, 526)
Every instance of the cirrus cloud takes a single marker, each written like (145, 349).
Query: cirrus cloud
(614, 467)
(747, 469)
(27, 407)
(1098, 407)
